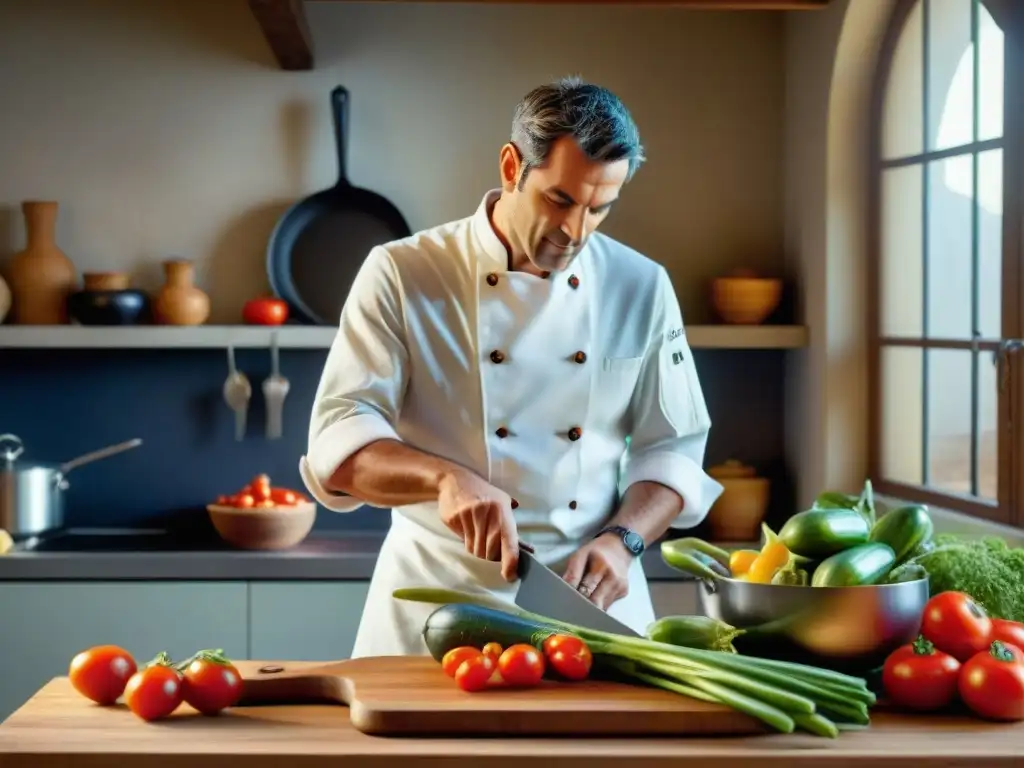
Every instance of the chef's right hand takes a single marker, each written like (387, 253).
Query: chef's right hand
(482, 515)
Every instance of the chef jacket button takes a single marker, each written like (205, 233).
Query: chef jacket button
(575, 433)
(572, 504)
(492, 279)
(574, 282)
(515, 504)
(580, 357)
(496, 356)
(501, 432)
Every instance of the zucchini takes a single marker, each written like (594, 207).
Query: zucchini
(905, 529)
(694, 632)
(458, 624)
(818, 533)
(858, 566)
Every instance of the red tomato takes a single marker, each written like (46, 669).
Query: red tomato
(265, 311)
(154, 691)
(521, 665)
(917, 676)
(569, 655)
(1011, 632)
(992, 682)
(956, 624)
(284, 496)
(102, 672)
(211, 683)
(260, 487)
(475, 672)
(452, 660)
(493, 650)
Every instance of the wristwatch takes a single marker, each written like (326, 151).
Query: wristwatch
(632, 540)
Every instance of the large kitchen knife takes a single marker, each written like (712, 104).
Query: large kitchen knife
(544, 592)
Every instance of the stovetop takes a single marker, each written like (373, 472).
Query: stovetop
(121, 540)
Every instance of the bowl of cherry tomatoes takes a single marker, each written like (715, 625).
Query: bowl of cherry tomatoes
(263, 516)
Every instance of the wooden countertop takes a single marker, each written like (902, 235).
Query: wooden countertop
(57, 727)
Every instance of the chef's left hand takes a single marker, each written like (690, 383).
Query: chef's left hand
(599, 570)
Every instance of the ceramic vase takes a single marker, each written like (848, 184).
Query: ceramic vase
(179, 301)
(41, 276)
(5, 299)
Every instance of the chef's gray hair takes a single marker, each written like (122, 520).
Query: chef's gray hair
(592, 115)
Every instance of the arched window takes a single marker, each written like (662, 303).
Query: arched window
(947, 265)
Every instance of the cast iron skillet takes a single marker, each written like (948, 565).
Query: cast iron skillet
(319, 244)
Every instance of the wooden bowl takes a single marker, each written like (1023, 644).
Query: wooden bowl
(743, 300)
(266, 528)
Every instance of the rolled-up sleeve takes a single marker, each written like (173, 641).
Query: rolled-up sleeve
(363, 381)
(670, 421)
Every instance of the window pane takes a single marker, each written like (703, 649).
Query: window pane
(988, 428)
(950, 382)
(902, 390)
(950, 269)
(990, 243)
(950, 74)
(903, 110)
(901, 274)
(990, 69)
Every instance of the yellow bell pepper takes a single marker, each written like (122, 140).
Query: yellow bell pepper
(740, 561)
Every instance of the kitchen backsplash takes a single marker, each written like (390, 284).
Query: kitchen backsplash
(63, 403)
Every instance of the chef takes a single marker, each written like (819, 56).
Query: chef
(516, 376)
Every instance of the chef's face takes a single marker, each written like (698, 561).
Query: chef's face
(560, 205)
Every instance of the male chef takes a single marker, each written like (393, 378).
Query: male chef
(487, 373)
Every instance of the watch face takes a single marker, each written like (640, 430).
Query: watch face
(634, 542)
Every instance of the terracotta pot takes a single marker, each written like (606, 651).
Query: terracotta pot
(738, 513)
(5, 299)
(41, 276)
(743, 298)
(180, 302)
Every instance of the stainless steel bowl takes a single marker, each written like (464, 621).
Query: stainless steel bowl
(849, 629)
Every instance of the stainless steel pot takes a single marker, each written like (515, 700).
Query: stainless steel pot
(850, 629)
(32, 494)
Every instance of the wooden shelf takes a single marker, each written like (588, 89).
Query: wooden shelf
(319, 337)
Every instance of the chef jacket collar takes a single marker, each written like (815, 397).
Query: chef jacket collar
(492, 254)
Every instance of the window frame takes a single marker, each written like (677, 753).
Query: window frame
(1010, 461)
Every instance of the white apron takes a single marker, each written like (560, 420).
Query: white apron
(533, 383)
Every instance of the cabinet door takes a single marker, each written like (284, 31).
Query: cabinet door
(674, 598)
(305, 620)
(46, 624)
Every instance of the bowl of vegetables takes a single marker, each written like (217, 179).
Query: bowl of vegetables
(261, 516)
(834, 587)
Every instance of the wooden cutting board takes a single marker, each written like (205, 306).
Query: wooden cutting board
(411, 695)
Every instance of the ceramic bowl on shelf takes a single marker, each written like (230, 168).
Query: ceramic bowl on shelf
(743, 298)
(107, 299)
(738, 513)
(263, 528)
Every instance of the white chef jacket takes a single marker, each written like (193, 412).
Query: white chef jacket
(533, 383)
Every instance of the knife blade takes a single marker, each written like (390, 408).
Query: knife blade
(544, 592)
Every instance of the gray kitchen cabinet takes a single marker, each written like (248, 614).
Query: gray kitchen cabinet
(43, 625)
(674, 598)
(305, 620)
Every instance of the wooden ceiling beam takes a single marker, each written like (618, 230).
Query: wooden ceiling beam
(286, 30)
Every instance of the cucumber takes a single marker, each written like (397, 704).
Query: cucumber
(818, 533)
(457, 624)
(905, 529)
(858, 566)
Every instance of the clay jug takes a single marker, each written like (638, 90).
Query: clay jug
(180, 302)
(41, 276)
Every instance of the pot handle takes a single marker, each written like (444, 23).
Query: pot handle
(11, 447)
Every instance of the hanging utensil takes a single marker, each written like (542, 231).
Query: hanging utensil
(275, 390)
(237, 392)
(32, 493)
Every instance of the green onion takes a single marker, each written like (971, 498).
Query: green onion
(784, 695)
